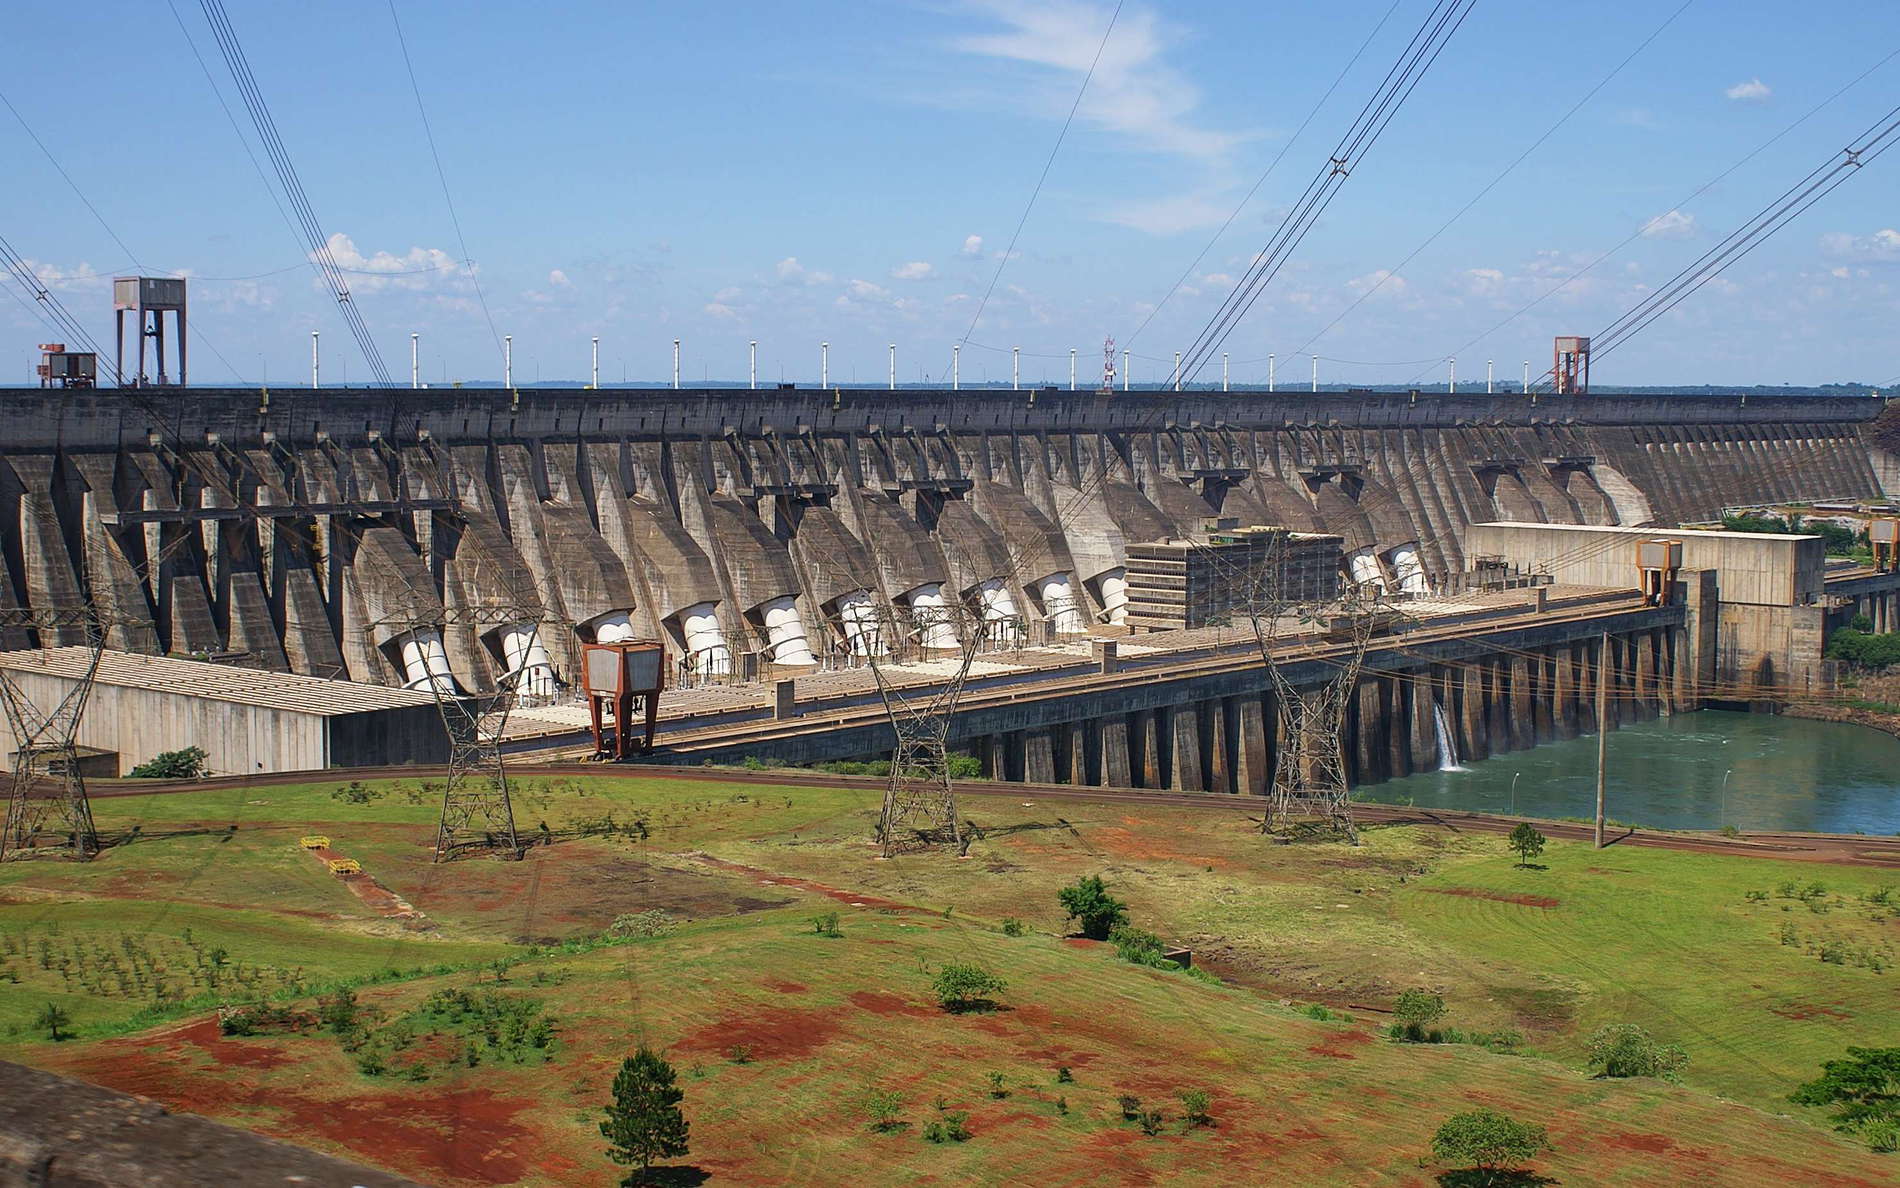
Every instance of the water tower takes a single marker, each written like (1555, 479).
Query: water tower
(155, 296)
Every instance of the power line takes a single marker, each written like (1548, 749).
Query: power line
(442, 176)
(1264, 174)
(320, 254)
(1377, 114)
(1046, 166)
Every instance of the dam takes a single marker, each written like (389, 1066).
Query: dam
(763, 534)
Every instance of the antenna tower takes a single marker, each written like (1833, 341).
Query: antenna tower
(1108, 366)
(47, 751)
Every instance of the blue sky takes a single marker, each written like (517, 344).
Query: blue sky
(797, 173)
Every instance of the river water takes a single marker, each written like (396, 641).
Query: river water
(1689, 771)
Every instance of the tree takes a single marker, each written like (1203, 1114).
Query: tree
(54, 1020)
(1864, 1088)
(962, 987)
(644, 1122)
(1527, 842)
(185, 764)
(1415, 1011)
(1089, 903)
(1489, 1141)
(1626, 1050)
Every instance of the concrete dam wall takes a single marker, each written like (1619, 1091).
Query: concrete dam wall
(313, 531)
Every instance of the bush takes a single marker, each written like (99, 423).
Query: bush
(53, 1020)
(883, 1106)
(961, 987)
(1151, 1121)
(1130, 1105)
(1626, 1050)
(826, 925)
(1139, 946)
(997, 1087)
(1414, 1013)
(949, 1127)
(652, 922)
(1194, 1106)
(1089, 903)
(963, 767)
(185, 764)
(1489, 1141)
(1064, 1076)
(1012, 926)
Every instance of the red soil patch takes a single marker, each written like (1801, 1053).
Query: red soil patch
(205, 1036)
(1654, 1144)
(1809, 1010)
(779, 987)
(1339, 1045)
(879, 1003)
(1081, 942)
(774, 1033)
(767, 878)
(1536, 901)
(1141, 845)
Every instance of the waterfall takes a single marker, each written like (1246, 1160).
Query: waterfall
(1447, 744)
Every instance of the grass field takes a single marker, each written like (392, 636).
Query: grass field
(779, 1033)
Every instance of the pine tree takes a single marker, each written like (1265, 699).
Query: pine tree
(644, 1122)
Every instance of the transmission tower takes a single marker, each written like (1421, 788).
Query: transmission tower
(55, 821)
(1309, 770)
(920, 806)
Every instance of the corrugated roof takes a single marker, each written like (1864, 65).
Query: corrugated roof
(219, 682)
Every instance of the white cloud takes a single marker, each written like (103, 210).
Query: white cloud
(1216, 278)
(791, 272)
(972, 247)
(1671, 224)
(1170, 215)
(418, 268)
(914, 270)
(717, 309)
(1754, 90)
(1133, 93)
(1483, 282)
(1882, 246)
(1381, 281)
(558, 279)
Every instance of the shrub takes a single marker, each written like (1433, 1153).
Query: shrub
(963, 767)
(1194, 1106)
(1626, 1050)
(644, 1121)
(1139, 946)
(187, 763)
(1527, 842)
(1012, 926)
(1415, 1012)
(1314, 1010)
(53, 1020)
(1151, 1121)
(997, 1088)
(961, 987)
(883, 1106)
(1062, 1105)
(338, 1012)
(1130, 1104)
(652, 922)
(740, 1053)
(1883, 1136)
(826, 925)
(1064, 1076)
(949, 1127)
(1489, 1141)
(1089, 904)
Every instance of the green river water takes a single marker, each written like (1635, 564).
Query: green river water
(1689, 771)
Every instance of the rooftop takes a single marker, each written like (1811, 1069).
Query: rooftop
(1658, 533)
(219, 682)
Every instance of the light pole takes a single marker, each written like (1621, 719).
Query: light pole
(508, 361)
(1223, 371)
(1071, 369)
(1126, 378)
(1177, 371)
(956, 366)
(1016, 368)
(314, 373)
(595, 368)
(1269, 373)
(752, 363)
(1527, 378)
(1489, 388)
(893, 367)
(676, 364)
(824, 365)
(1722, 820)
(415, 360)
(1316, 373)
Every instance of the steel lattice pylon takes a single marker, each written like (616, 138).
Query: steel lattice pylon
(920, 807)
(1310, 778)
(46, 751)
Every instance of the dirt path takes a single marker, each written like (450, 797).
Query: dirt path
(374, 895)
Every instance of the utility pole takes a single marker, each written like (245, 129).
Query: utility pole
(1176, 385)
(508, 361)
(1269, 373)
(1603, 726)
(1223, 371)
(313, 360)
(1527, 378)
(1316, 373)
(824, 365)
(1125, 373)
(1451, 377)
(1489, 387)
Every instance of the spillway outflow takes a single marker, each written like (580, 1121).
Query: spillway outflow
(1447, 742)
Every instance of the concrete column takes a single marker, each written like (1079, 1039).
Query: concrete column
(1523, 712)
(1184, 736)
(1543, 711)
(1039, 760)
(1422, 731)
(1072, 753)
(1365, 728)
(784, 701)
(1252, 775)
(1223, 716)
(1117, 767)
(1475, 741)
(1497, 705)
(1563, 692)
(1148, 736)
